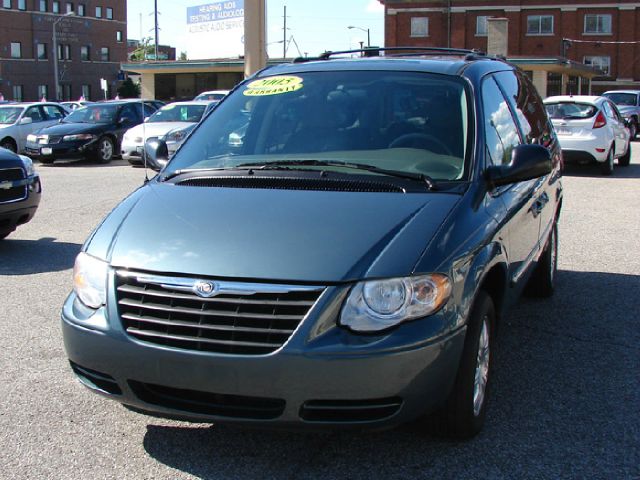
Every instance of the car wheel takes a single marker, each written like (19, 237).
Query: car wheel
(607, 167)
(104, 153)
(633, 129)
(464, 411)
(542, 282)
(9, 145)
(625, 159)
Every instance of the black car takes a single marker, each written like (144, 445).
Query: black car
(20, 191)
(333, 246)
(94, 132)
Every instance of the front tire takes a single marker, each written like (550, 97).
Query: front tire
(104, 152)
(464, 411)
(9, 145)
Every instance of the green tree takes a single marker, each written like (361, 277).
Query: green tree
(128, 89)
(183, 56)
(143, 51)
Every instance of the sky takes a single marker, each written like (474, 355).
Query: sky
(315, 26)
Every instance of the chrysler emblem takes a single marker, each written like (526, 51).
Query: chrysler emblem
(6, 185)
(205, 288)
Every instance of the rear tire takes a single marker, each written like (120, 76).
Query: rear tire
(625, 159)
(607, 167)
(542, 281)
(633, 129)
(464, 411)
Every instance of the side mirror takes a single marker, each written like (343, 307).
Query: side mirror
(527, 162)
(26, 120)
(156, 153)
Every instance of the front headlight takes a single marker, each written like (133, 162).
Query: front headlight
(28, 165)
(175, 136)
(90, 280)
(32, 138)
(380, 304)
(79, 136)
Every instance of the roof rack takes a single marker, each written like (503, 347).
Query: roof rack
(415, 51)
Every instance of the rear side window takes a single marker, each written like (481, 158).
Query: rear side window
(527, 104)
(53, 112)
(570, 110)
(501, 133)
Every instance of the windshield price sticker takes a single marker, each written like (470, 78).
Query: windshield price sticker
(273, 86)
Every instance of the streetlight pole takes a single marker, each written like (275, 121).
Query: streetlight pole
(364, 30)
(55, 53)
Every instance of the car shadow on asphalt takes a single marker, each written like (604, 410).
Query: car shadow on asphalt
(26, 257)
(593, 171)
(565, 382)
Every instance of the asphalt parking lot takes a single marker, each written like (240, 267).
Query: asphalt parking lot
(565, 400)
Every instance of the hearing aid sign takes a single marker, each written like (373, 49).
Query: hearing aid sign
(215, 30)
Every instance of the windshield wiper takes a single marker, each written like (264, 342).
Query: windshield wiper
(283, 165)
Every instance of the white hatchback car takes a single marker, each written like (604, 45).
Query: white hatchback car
(590, 129)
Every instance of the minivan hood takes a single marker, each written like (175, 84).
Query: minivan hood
(272, 235)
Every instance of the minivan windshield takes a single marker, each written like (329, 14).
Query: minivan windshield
(622, 99)
(411, 122)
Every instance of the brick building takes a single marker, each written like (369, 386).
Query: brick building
(604, 35)
(91, 44)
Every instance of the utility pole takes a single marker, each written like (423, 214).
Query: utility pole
(284, 35)
(155, 14)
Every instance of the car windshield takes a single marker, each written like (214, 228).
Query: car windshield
(622, 99)
(178, 113)
(568, 110)
(93, 114)
(9, 115)
(409, 122)
(210, 96)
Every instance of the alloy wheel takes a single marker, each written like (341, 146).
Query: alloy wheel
(482, 367)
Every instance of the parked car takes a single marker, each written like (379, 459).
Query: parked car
(345, 265)
(18, 120)
(172, 116)
(628, 103)
(20, 191)
(212, 95)
(590, 130)
(94, 131)
(75, 104)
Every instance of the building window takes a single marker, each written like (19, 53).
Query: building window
(104, 54)
(43, 91)
(119, 36)
(42, 51)
(98, 12)
(86, 91)
(81, 10)
(67, 52)
(600, 62)
(55, 6)
(598, 24)
(22, 4)
(16, 50)
(540, 24)
(110, 13)
(18, 93)
(85, 54)
(419, 27)
(6, 3)
(59, 52)
(481, 26)
(42, 5)
(69, 7)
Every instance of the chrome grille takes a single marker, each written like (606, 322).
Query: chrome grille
(240, 318)
(12, 186)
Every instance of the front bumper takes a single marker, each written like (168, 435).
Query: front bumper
(76, 149)
(334, 379)
(132, 152)
(19, 212)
